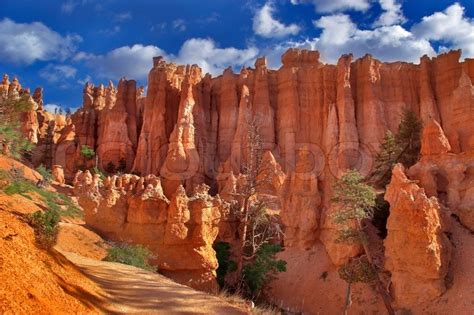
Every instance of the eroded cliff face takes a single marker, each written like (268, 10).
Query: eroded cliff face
(179, 231)
(340, 112)
(417, 250)
(315, 121)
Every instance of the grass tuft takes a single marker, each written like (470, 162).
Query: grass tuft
(133, 255)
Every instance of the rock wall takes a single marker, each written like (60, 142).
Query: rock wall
(417, 250)
(179, 231)
(190, 129)
(315, 121)
(340, 112)
(446, 175)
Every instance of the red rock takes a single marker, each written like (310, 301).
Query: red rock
(300, 197)
(417, 250)
(433, 140)
(57, 172)
(179, 232)
(191, 129)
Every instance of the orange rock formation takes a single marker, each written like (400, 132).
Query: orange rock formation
(180, 231)
(315, 120)
(417, 250)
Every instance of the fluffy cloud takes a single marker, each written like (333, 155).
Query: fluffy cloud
(451, 27)
(135, 61)
(24, 43)
(328, 6)
(57, 73)
(84, 80)
(130, 61)
(211, 58)
(52, 108)
(386, 39)
(392, 13)
(266, 26)
(341, 36)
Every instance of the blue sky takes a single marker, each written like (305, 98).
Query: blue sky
(60, 45)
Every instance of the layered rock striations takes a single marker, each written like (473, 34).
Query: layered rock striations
(338, 110)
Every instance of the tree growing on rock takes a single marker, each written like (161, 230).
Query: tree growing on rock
(88, 153)
(259, 230)
(355, 201)
(403, 147)
(11, 138)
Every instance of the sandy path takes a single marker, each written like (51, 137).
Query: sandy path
(133, 290)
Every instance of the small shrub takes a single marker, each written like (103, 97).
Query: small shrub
(71, 210)
(52, 199)
(263, 268)
(87, 152)
(4, 179)
(96, 170)
(357, 270)
(133, 255)
(225, 264)
(16, 173)
(45, 173)
(20, 187)
(46, 227)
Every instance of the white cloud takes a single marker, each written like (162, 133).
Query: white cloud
(329, 6)
(337, 29)
(52, 108)
(211, 58)
(179, 24)
(392, 13)
(84, 80)
(390, 43)
(57, 73)
(387, 39)
(266, 26)
(451, 27)
(24, 43)
(135, 61)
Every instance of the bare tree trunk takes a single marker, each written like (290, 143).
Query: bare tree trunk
(348, 298)
(243, 236)
(378, 282)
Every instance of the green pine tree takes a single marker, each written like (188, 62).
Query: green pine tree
(12, 139)
(408, 138)
(355, 201)
(403, 147)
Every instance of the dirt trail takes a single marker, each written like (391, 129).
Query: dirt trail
(133, 290)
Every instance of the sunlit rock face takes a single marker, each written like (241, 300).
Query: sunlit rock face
(179, 231)
(417, 249)
(445, 174)
(314, 120)
(341, 112)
